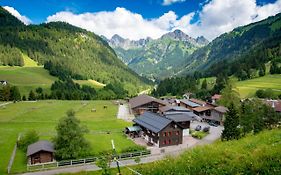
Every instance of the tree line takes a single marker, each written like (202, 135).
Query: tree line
(66, 90)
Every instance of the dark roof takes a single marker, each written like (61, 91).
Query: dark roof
(134, 128)
(42, 145)
(173, 108)
(152, 121)
(143, 99)
(189, 103)
(182, 117)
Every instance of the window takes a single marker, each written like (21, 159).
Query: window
(170, 133)
(177, 133)
(170, 142)
(164, 134)
(164, 142)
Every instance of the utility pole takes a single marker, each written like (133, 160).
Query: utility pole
(115, 158)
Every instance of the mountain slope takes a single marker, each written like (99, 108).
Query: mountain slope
(238, 45)
(159, 58)
(74, 51)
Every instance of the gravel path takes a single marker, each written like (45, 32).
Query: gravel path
(124, 114)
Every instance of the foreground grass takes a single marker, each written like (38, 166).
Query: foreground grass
(43, 116)
(256, 154)
(248, 88)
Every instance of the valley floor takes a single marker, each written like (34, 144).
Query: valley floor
(43, 116)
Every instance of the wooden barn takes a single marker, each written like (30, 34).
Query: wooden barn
(40, 152)
(143, 103)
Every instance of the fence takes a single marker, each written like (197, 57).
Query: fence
(13, 155)
(51, 165)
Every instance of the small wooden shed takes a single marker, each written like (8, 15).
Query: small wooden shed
(40, 152)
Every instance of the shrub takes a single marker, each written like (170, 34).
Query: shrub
(199, 134)
(27, 139)
(133, 149)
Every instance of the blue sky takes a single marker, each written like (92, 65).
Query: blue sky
(157, 16)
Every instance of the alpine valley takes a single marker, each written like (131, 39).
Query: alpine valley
(157, 58)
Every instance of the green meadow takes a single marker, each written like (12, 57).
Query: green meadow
(27, 78)
(248, 88)
(43, 117)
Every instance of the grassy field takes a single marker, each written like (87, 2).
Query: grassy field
(28, 62)
(27, 78)
(248, 88)
(92, 83)
(43, 117)
(255, 154)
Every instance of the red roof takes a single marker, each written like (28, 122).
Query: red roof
(216, 97)
(276, 104)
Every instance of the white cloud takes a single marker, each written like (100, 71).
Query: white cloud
(220, 16)
(215, 18)
(169, 2)
(15, 13)
(121, 22)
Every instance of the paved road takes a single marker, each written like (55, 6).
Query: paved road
(215, 133)
(124, 114)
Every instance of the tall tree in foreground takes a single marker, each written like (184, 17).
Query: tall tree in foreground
(70, 142)
(231, 130)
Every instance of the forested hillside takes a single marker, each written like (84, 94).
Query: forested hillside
(68, 51)
(157, 58)
(242, 52)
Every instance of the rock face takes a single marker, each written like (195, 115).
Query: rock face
(156, 58)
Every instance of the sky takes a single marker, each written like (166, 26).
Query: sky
(136, 19)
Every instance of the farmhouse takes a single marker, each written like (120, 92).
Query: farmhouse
(207, 111)
(275, 104)
(159, 130)
(143, 103)
(215, 98)
(40, 152)
(188, 104)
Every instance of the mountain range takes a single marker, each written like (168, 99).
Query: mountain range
(156, 58)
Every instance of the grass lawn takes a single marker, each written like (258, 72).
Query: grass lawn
(27, 78)
(91, 83)
(248, 88)
(28, 62)
(43, 117)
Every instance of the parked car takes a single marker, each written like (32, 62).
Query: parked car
(206, 129)
(211, 123)
(198, 128)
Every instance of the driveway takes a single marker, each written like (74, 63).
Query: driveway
(124, 114)
(214, 133)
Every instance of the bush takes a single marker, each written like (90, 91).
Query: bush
(27, 139)
(199, 134)
(133, 149)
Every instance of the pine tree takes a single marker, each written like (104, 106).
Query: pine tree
(70, 142)
(31, 96)
(15, 94)
(231, 130)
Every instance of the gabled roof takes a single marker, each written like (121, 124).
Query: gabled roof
(143, 99)
(276, 104)
(221, 109)
(189, 103)
(42, 145)
(200, 102)
(173, 108)
(181, 117)
(152, 121)
(202, 108)
(216, 97)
